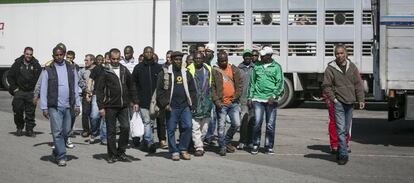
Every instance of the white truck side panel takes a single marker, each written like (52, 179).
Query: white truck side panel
(85, 27)
(396, 45)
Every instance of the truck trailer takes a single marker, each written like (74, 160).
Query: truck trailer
(87, 27)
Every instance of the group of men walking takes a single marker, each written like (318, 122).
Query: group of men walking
(194, 95)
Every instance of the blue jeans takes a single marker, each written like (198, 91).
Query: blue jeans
(183, 117)
(212, 125)
(95, 118)
(102, 129)
(233, 110)
(148, 126)
(60, 124)
(261, 109)
(343, 120)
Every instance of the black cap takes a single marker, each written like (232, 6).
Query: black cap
(176, 53)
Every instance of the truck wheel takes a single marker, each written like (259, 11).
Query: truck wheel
(4, 81)
(287, 98)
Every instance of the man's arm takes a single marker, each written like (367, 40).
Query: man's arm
(280, 82)
(252, 83)
(77, 98)
(327, 84)
(11, 78)
(100, 91)
(135, 80)
(132, 89)
(192, 90)
(43, 90)
(239, 84)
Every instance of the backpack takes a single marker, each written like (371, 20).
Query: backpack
(154, 110)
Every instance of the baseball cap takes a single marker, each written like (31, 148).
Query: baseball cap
(247, 52)
(210, 46)
(176, 53)
(266, 51)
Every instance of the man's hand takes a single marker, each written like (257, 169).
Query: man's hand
(361, 105)
(77, 111)
(102, 112)
(46, 113)
(88, 97)
(168, 108)
(35, 99)
(249, 104)
(336, 101)
(271, 100)
(135, 107)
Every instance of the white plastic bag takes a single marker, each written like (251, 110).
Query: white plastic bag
(136, 125)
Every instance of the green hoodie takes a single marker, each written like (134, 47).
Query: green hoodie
(266, 82)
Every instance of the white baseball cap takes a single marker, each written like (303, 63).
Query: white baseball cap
(210, 46)
(266, 51)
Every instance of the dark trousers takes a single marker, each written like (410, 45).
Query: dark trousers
(246, 128)
(86, 112)
(111, 116)
(161, 130)
(24, 110)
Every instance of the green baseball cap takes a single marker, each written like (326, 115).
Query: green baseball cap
(247, 51)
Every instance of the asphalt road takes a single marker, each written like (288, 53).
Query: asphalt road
(381, 152)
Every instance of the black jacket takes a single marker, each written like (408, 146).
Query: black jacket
(112, 91)
(23, 77)
(145, 77)
(163, 94)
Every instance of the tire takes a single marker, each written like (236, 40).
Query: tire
(287, 98)
(4, 81)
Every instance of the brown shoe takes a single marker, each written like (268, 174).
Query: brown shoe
(175, 157)
(230, 148)
(186, 155)
(163, 144)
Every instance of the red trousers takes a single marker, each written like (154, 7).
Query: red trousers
(333, 137)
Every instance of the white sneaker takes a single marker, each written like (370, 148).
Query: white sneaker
(91, 139)
(69, 144)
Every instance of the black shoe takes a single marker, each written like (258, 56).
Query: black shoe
(223, 151)
(199, 153)
(152, 148)
(111, 160)
(19, 132)
(342, 160)
(124, 158)
(334, 151)
(30, 133)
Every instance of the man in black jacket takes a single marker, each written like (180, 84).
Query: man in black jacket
(22, 78)
(145, 79)
(115, 92)
(177, 95)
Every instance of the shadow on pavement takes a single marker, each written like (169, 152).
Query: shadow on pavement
(382, 132)
(50, 144)
(327, 157)
(322, 148)
(104, 156)
(51, 158)
(35, 132)
(165, 155)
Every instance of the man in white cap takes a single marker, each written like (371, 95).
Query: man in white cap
(266, 85)
(209, 53)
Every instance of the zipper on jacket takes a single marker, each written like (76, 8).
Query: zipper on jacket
(120, 84)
